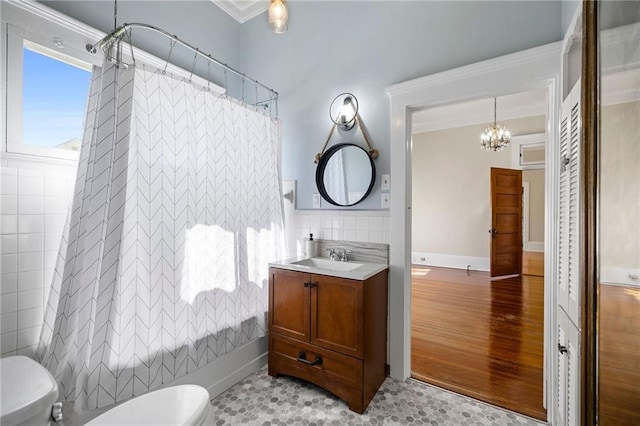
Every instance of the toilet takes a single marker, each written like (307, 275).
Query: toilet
(29, 394)
(176, 405)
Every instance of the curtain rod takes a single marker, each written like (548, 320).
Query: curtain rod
(117, 35)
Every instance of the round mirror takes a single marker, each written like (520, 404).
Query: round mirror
(345, 174)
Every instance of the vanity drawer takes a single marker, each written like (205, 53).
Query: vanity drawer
(335, 367)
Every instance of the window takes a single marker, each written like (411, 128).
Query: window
(47, 87)
(54, 93)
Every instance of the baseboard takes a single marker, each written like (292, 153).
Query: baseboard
(450, 261)
(535, 246)
(229, 369)
(616, 275)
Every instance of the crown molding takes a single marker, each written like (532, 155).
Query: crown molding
(617, 88)
(551, 50)
(242, 10)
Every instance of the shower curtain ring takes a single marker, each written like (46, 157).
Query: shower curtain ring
(256, 87)
(226, 81)
(173, 43)
(193, 65)
(128, 33)
(209, 73)
(243, 82)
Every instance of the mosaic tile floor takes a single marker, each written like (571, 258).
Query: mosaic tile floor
(263, 400)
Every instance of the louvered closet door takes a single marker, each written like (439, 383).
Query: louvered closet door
(569, 207)
(568, 279)
(568, 364)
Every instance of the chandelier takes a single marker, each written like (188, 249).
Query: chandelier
(496, 136)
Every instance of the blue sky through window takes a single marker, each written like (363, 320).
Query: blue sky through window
(54, 95)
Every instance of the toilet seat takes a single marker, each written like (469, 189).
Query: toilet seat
(28, 391)
(176, 405)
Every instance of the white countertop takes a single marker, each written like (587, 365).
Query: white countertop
(361, 273)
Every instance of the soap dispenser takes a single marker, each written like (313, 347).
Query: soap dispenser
(310, 248)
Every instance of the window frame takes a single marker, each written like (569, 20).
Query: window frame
(16, 36)
(530, 140)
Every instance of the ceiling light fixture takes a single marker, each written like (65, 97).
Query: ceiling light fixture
(278, 16)
(496, 137)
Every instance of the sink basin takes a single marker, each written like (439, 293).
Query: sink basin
(328, 265)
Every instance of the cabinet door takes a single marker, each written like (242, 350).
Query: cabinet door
(336, 314)
(289, 304)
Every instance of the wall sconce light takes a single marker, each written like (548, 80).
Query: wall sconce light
(278, 16)
(344, 110)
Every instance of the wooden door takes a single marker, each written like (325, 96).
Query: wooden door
(336, 314)
(289, 303)
(506, 222)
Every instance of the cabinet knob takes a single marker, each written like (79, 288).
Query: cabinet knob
(302, 357)
(310, 284)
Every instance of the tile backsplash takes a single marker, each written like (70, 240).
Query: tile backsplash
(34, 201)
(365, 226)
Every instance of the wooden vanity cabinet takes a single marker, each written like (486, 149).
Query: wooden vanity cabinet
(330, 331)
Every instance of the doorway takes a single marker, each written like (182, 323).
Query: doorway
(536, 68)
(470, 334)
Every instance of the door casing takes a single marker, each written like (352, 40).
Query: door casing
(526, 70)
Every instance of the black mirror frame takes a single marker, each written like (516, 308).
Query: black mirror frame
(322, 164)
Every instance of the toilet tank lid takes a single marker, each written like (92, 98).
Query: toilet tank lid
(176, 405)
(27, 389)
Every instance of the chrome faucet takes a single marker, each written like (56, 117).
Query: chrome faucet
(340, 255)
(333, 254)
(343, 255)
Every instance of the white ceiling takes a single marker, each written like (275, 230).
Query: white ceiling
(242, 10)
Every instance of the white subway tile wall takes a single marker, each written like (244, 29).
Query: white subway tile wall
(369, 226)
(34, 202)
(35, 197)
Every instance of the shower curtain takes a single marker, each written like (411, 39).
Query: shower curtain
(176, 213)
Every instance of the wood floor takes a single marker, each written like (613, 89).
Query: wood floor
(533, 263)
(478, 337)
(619, 355)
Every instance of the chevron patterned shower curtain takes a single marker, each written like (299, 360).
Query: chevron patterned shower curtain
(176, 213)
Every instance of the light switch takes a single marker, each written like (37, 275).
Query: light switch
(385, 185)
(316, 201)
(385, 200)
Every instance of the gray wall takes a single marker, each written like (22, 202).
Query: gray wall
(200, 23)
(332, 47)
(362, 47)
(569, 8)
(613, 13)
